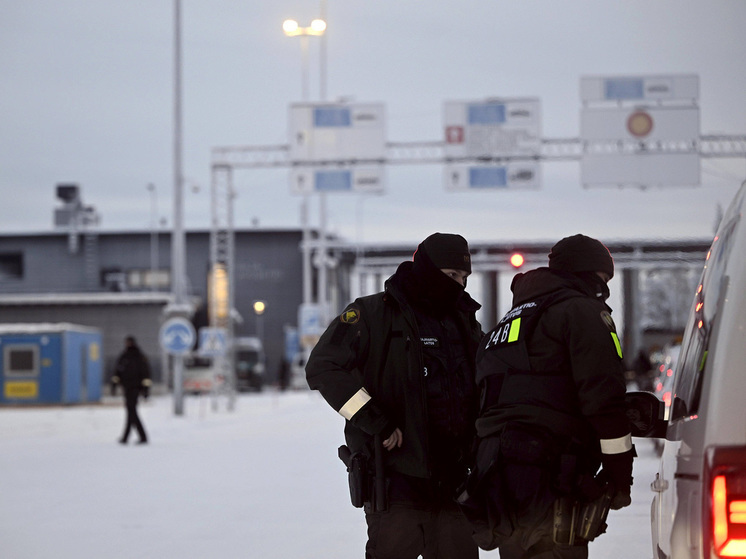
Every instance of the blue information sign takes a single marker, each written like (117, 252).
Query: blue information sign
(624, 88)
(486, 113)
(332, 117)
(331, 181)
(177, 336)
(487, 177)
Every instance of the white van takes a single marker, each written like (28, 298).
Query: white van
(699, 503)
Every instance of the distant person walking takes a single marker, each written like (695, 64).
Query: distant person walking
(132, 371)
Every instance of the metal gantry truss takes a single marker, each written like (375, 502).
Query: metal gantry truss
(433, 152)
(222, 254)
(226, 159)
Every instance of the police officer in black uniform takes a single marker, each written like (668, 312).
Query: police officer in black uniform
(552, 411)
(132, 371)
(399, 367)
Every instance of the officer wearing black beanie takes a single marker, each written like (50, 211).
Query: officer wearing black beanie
(581, 254)
(587, 258)
(553, 408)
(437, 258)
(399, 367)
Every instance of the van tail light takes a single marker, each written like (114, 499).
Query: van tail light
(725, 502)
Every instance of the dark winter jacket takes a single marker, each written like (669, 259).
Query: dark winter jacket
(561, 370)
(369, 365)
(132, 370)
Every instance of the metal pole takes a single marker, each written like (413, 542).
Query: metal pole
(322, 57)
(153, 235)
(305, 209)
(304, 66)
(323, 279)
(306, 250)
(177, 241)
(321, 259)
(232, 313)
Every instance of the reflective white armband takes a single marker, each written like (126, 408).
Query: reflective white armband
(353, 405)
(616, 446)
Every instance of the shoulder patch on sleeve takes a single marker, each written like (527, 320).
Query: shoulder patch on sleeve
(350, 316)
(606, 317)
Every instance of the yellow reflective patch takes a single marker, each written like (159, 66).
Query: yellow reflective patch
(21, 389)
(617, 344)
(703, 361)
(350, 316)
(515, 328)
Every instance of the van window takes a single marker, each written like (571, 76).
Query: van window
(707, 302)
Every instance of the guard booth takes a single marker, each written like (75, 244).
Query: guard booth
(50, 364)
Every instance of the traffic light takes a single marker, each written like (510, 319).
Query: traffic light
(516, 260)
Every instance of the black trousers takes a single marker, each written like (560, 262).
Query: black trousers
(422, 520)
(131, 396)
(525, 484)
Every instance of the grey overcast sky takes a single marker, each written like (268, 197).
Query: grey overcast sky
(86, 96)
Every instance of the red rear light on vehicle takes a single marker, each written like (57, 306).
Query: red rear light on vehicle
(725, 502)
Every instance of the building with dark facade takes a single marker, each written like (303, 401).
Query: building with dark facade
(119, 282)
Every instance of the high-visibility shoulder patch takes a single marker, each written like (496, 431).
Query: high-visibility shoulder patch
(350, 316)
(606, 317)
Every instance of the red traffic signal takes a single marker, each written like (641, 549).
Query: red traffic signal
(516, 260)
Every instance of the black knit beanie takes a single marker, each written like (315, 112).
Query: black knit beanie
(581, 254)
(446, 250)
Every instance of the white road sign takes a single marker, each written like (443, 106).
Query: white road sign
(213, 342)
(640, 123)
(337, 132)
(492, 128)
(513, 175)
(684, 87)
(348, 178)
(644, 169)
(310, 323)
(640, 130)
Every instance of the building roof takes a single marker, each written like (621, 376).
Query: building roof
(44, 328)
(104, 298)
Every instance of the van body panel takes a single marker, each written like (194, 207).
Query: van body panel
(709, 408)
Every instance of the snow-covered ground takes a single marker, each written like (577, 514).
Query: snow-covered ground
(261, 481)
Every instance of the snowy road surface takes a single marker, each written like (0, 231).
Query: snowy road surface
(262, 481)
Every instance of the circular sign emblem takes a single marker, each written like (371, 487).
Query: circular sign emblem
(640, 124)
(177, 336)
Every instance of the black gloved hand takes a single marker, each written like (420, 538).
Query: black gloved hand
(617, 470)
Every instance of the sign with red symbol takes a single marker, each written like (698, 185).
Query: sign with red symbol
(640, 130)
(454, 134)
(640, 124)
(634, 123)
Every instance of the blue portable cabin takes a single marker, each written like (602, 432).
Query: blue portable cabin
(50, 364)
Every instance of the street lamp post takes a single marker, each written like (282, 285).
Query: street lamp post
(259, 308)
(291, 28)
